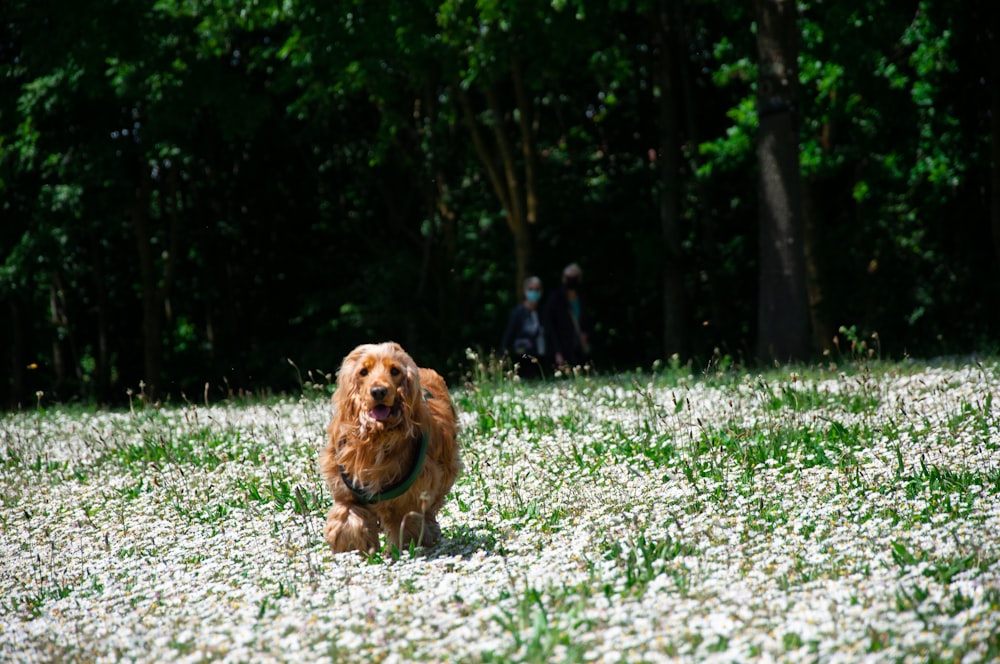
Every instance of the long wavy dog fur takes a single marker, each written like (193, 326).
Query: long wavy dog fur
(384, 406)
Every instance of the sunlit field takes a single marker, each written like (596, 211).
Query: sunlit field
(831, 514)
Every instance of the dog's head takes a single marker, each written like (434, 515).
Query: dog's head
(378, 386)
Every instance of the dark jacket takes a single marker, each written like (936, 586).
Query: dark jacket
(518, 339)
(561, 330)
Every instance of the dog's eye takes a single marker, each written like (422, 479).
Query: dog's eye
(363, 372)
(394, 371)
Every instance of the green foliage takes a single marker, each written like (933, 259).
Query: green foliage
(309, 182)
(884, 150)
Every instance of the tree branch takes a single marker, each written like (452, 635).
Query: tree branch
(484, 153)
(515, 216)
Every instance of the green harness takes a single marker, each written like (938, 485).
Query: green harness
(394, 490)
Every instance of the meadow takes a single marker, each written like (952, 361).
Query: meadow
(821, 514)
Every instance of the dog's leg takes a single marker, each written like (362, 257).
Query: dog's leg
(414, 527)
(431, 532)
(351, 528)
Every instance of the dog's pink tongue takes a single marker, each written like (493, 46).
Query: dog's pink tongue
(380, 413)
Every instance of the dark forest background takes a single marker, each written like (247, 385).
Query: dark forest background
(197, 191)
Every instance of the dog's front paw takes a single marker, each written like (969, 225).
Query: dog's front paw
(351, 528)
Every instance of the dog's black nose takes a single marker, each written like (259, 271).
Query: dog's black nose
(378, 392)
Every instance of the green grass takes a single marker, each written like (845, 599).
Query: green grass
(677, 513)
(641, 560)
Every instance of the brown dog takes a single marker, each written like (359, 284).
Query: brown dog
(391, 455)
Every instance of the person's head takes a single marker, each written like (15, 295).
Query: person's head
(533, 289)
(572, 276)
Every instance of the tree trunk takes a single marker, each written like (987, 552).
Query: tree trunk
(152, 304)
(55, 320)
(783, 309)
(102, 363)
(174, 208)
(18, 353)
(526, 125)
(64, 335)
(156, 278)
(822, 330)
(520, 209)
(994, 40)
(674, 298)
(706, 227)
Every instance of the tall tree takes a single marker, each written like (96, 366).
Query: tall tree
(514, 187)
(666, 19)
(510, 91)
(496, 102)
(783, 312)
(993, 36)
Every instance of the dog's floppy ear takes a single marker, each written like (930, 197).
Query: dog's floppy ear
(344, 398)
(410, 388)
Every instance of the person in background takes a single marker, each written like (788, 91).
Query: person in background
(524, 337)
(568, 321)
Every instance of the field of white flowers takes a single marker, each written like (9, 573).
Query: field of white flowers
(828, 516)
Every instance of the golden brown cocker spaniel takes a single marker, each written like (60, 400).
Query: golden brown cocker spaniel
(391, 455)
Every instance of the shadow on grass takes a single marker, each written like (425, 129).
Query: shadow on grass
(459, 542)
(464, 542)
